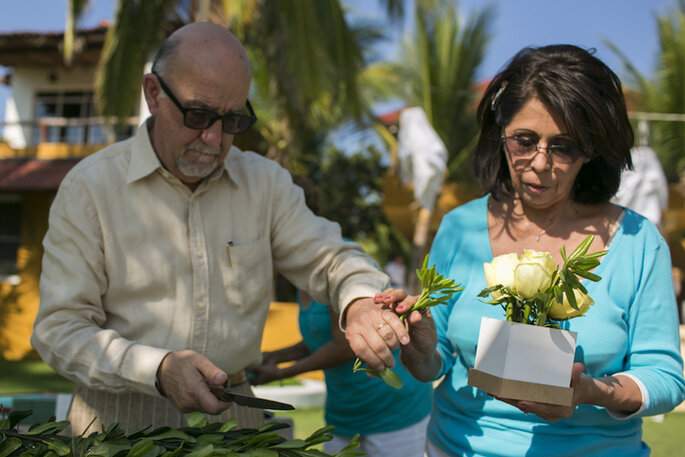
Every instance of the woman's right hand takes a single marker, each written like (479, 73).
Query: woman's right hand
(261, 374)
(419, 355)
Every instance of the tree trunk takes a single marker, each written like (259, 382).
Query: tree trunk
(419, 249)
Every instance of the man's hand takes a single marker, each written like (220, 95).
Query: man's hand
(374, 330)
(185, 378)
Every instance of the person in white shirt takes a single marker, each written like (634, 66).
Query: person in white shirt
(644, 189)
(161, 250)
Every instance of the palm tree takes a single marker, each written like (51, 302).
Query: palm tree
(306, 60)
(308, 67)
(664, 96)
(437, 72)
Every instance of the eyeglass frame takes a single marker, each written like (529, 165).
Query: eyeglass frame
(536, 151)
(214, 116)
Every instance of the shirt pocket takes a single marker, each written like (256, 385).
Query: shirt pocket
(247, 273)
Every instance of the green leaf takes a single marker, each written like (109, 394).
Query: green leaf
(140, 448)
(212, 438)
(173, 434)
(261, 452)
(58, 447)
(582, 247)
(570, 296)
(587, 275)
(175, 452)
(390, 378)
(107, 449)
(202, 452)
(49, 428)
(196, 420)
(290, 444)
(9, 445)
(323, 431)
(228, 425)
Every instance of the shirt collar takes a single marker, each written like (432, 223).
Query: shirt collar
(144, 161)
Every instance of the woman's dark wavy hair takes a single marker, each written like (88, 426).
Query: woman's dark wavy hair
(582, 94)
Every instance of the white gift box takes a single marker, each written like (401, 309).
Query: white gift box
(524, 362)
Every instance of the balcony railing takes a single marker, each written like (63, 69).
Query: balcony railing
(95, 130)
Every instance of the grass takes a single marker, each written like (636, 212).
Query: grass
(665, 438)
(33, 376)
(305, 421)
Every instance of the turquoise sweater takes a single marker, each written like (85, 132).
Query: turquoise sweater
(632, 328)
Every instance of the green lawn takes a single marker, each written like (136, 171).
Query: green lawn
(33, 376)
(665, 438)
(30, 376)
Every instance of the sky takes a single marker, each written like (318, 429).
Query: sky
(629, 24)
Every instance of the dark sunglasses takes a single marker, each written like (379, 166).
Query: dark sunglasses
(523, 148)
(200, 119)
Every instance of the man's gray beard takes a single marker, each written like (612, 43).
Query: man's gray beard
(196, 169)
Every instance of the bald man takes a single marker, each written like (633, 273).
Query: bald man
(160, 252)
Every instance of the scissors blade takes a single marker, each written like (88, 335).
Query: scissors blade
(254, 402)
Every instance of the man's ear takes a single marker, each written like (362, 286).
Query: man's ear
(151, 91)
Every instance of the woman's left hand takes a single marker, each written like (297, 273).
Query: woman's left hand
(551, 412)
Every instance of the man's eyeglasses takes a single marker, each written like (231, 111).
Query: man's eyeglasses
(200, 119)
(522, 148)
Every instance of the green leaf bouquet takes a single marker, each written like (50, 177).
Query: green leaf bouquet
(435, 290)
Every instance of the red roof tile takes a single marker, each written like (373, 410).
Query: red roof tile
(33, 174)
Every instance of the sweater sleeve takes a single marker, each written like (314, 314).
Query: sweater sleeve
(654, 356)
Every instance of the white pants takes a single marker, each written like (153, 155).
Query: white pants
(433, 451)
(407, 442)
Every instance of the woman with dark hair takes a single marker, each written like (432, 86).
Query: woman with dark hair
(554, 137)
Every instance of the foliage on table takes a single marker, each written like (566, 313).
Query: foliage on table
(199, 439)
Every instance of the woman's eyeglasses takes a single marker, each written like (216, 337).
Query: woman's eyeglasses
(200, 119)
(522, 148)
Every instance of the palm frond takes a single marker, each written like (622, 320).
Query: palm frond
(75, 9)
(137, 30)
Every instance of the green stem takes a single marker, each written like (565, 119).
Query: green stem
(526, 313)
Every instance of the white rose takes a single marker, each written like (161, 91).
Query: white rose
(543, 258)
(501, 271)
(561, 312)
(533, 273)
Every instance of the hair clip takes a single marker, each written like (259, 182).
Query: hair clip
(498, 94)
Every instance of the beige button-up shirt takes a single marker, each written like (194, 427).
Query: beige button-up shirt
(137, 265)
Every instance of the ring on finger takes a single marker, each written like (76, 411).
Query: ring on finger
(380, 326)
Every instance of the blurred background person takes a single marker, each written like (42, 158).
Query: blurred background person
(391, 422)
(397, 272)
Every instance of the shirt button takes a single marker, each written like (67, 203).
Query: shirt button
(202, 304)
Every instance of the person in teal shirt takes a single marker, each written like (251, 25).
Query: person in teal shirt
(554, 137)
(391, 422)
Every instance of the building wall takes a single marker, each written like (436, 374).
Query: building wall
(19, 303)
(26, 81)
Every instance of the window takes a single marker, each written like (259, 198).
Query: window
(66, 106)
(10, 234)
